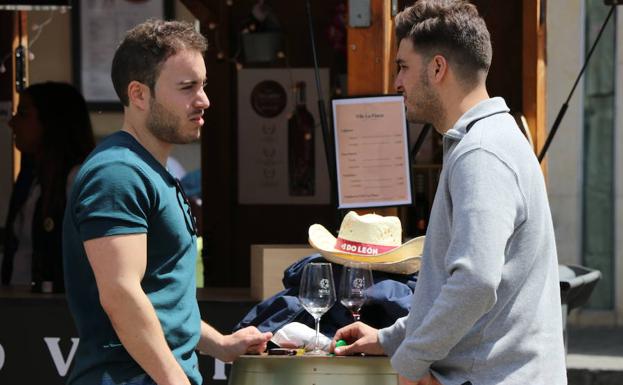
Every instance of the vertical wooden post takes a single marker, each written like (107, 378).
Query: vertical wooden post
(534, 65)
(370, 53)
(216, 142)
(370, 57)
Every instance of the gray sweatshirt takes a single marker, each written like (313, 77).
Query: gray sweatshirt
(486, 308)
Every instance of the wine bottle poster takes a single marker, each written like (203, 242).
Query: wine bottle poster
(281, 157)
(372, 152)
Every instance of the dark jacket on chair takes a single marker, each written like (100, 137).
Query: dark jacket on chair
(389, 299)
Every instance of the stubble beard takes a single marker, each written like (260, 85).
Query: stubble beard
(427, 107)
(166, 126)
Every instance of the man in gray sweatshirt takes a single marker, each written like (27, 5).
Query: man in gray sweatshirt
(486, 309)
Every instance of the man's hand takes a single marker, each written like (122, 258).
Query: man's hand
(426, 380)
(247, 340)
(360, 337)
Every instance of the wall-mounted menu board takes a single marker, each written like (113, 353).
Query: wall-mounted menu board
(371, 152)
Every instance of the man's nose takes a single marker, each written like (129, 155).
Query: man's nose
(203, 101)
(398, 84)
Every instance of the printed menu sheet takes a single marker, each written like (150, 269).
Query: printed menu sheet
(103, 24)
(372, 152)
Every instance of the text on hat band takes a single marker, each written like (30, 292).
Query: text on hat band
(361, 248)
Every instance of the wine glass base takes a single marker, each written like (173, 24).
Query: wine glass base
(317, 352)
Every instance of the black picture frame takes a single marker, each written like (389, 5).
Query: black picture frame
(99, 96)
(336, 146)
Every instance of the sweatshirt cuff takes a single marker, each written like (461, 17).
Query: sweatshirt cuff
(407, 366)
(391, 337)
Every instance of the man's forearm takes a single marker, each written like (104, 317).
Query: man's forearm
(139, 330)
(229, 347)
(210, 341)
(462, 301)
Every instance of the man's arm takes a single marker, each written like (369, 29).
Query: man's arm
(229, 347)
(119, 263)
(367, 340)
(487, 205)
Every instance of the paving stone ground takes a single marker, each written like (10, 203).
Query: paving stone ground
(595, 356)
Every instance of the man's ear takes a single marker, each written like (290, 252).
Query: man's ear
(438, 68)
(139, 95)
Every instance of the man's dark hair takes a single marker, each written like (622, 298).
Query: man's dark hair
(452, 28)
(146, 47)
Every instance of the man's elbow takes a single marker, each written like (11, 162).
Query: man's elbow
(484, 289)
(478, 286)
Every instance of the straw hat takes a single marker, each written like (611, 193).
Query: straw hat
(370, 239)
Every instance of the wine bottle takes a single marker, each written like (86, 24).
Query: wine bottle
(301, 166)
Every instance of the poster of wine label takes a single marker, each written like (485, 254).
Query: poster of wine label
(372, 152)
(281, 154)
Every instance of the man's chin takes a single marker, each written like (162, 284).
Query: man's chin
(192, 138)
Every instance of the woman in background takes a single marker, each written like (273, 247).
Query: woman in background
(53, 131)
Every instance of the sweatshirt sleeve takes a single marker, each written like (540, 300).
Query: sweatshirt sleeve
(391, 337)
(487, 206)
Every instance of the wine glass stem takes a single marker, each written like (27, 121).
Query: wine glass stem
(356, 316)
(316, 347)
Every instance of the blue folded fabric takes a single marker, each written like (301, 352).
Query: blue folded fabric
(191, 183)
(388, 299)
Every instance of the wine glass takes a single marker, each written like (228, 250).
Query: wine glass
(317, 294)
(354, 284)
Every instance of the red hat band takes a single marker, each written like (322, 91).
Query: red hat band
(360, 248)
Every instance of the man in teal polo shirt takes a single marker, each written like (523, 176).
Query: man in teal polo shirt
(129, 235)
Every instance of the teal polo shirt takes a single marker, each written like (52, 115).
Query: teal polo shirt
(122, 189)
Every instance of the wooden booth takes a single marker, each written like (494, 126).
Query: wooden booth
(353, 61)
(231, 226)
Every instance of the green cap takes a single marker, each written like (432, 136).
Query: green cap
(339, 343)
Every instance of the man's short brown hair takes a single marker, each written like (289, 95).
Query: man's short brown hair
(452, 28)
(146, 47)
